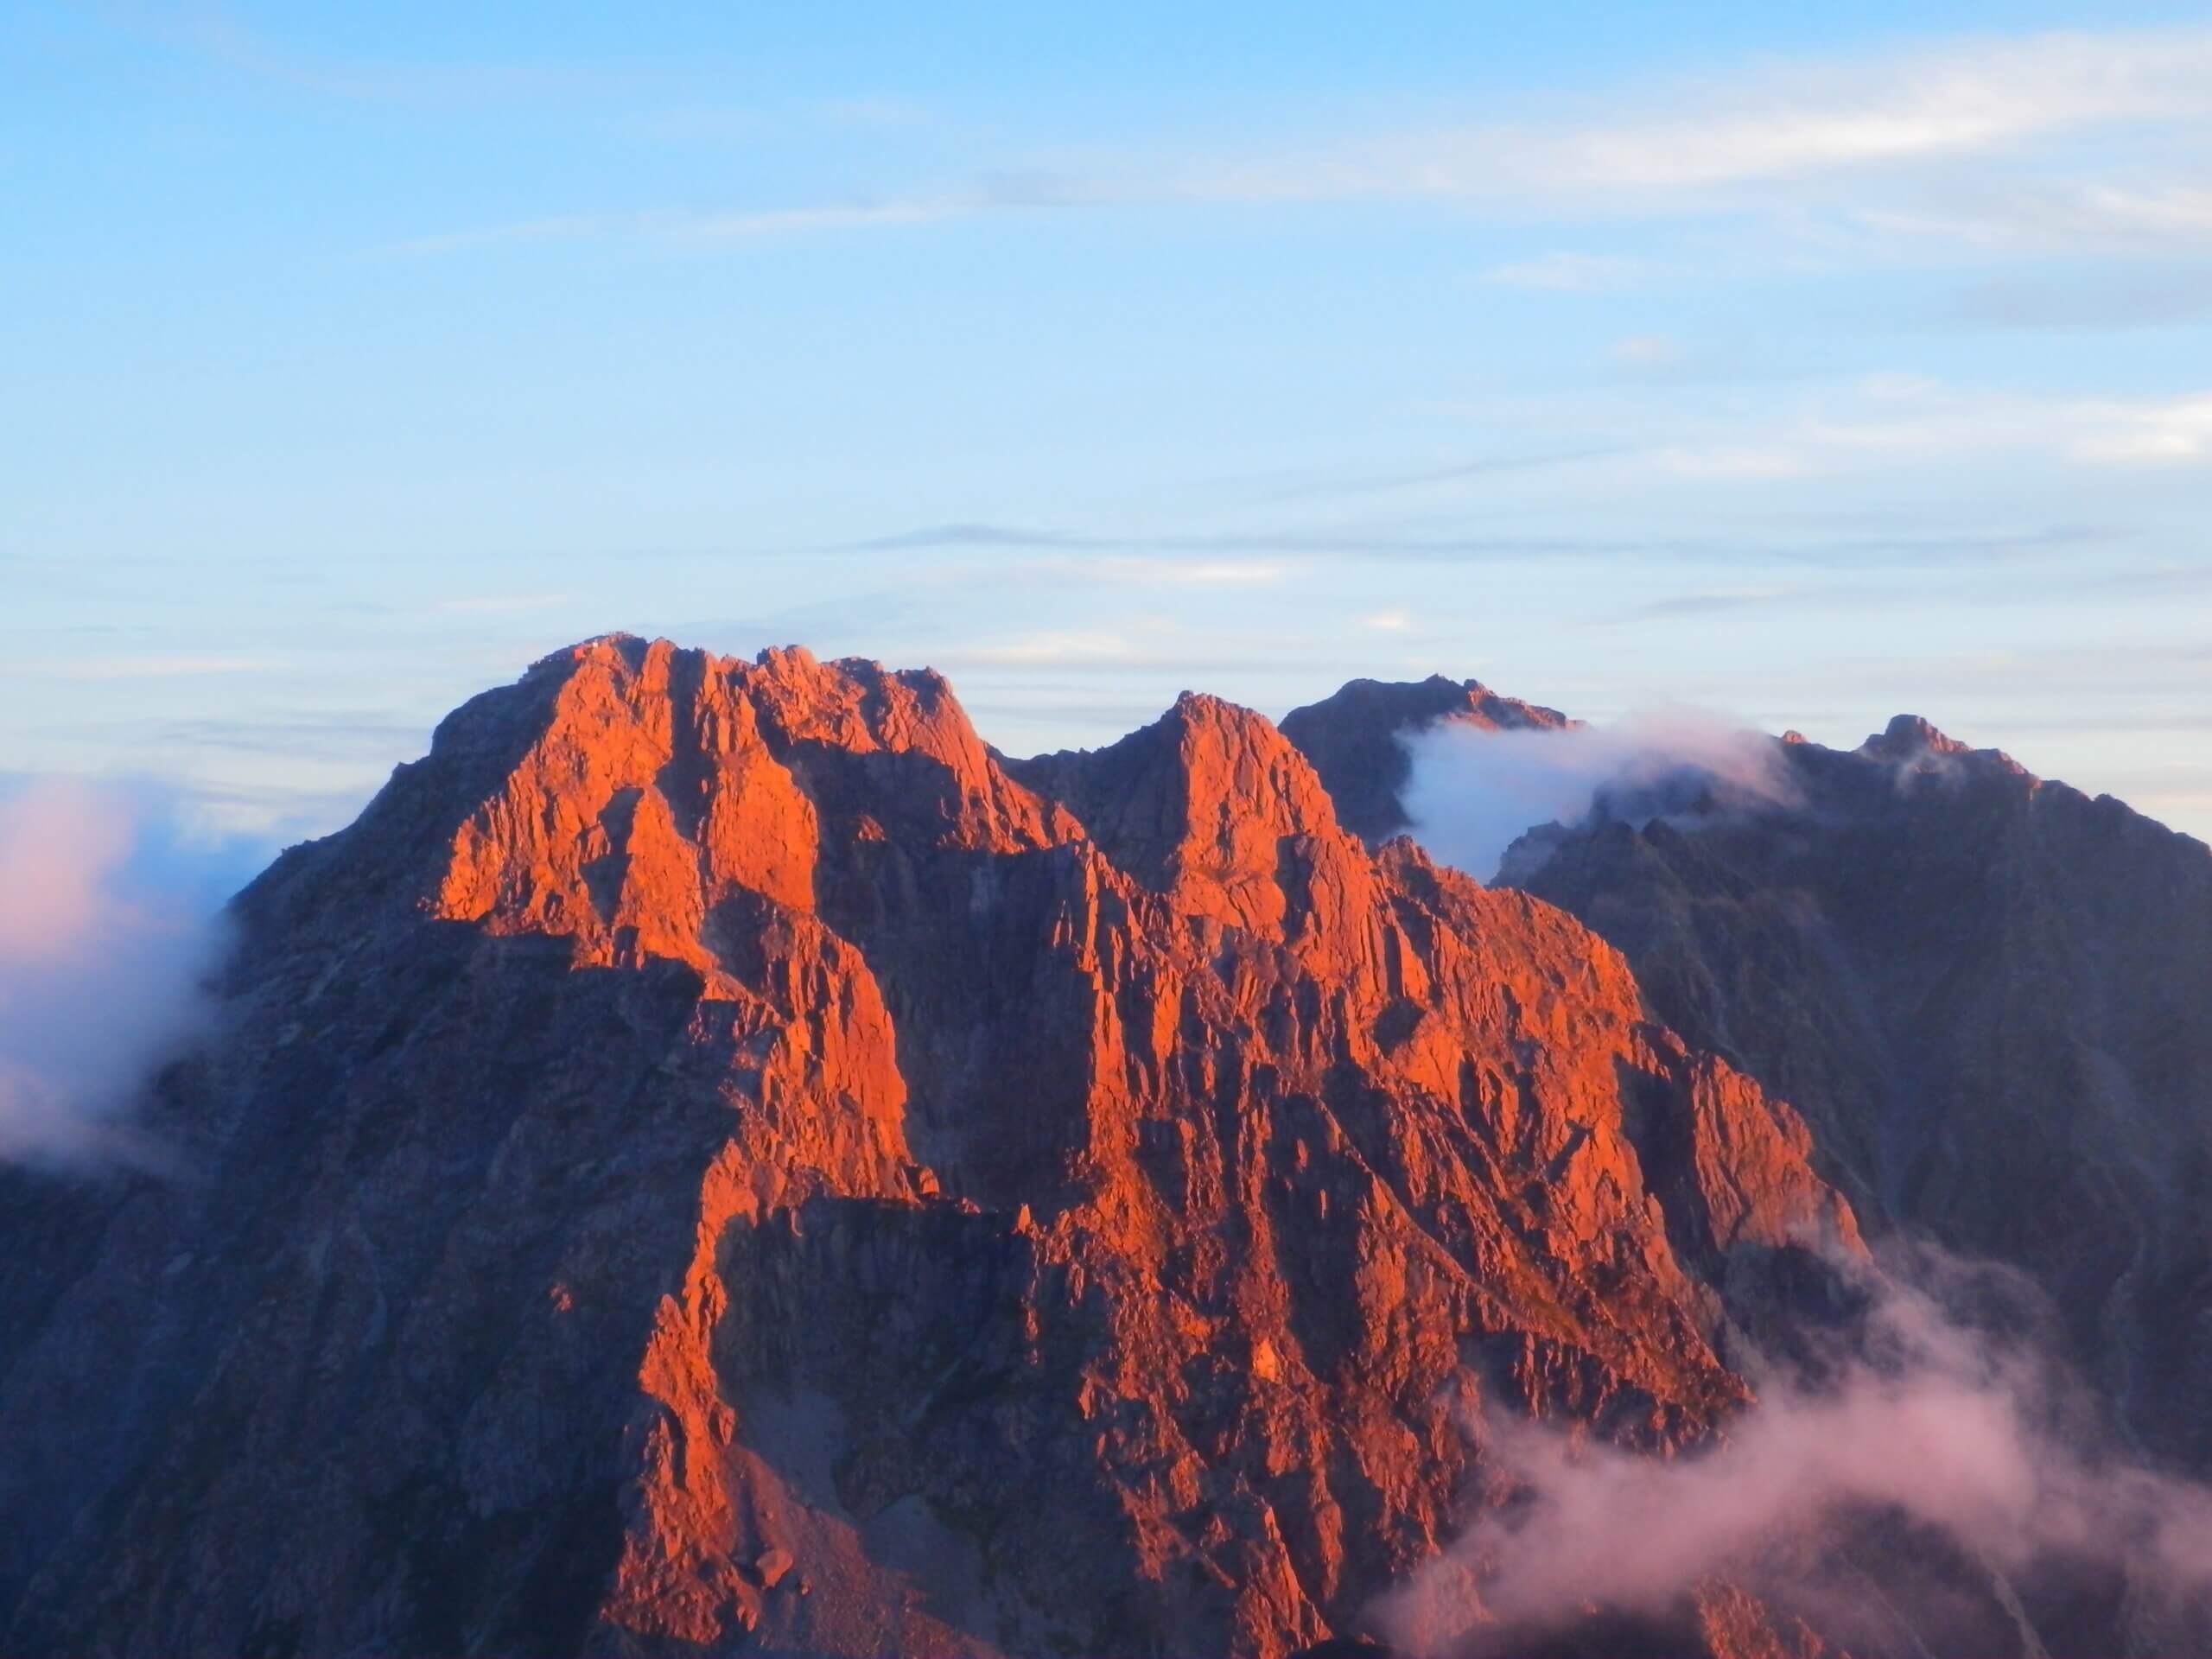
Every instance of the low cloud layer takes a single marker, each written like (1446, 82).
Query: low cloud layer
(1473, 792)
(108, 929)
(1929, 1425)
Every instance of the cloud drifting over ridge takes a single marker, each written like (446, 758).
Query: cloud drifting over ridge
(1473, 792)
(1932, 1422)
(104, 948)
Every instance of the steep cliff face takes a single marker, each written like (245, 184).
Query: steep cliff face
(1985, 992)
(715, 1159)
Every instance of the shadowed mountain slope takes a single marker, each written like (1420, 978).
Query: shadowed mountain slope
(1987, 995)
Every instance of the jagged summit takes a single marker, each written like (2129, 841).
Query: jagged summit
(1352, 738)
(1908, 735)
(1982, 991)
(1205, 806)
(1913, 744)
(716, 1158)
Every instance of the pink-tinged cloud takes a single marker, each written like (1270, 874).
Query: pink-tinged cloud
(1930, 1422)
(101, 975)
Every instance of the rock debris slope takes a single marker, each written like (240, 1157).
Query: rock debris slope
(717, 1159)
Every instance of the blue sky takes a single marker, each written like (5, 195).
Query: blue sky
(1809, 370)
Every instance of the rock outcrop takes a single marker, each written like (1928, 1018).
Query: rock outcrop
(1352, 738)
(717, 1159)
(1985, 992)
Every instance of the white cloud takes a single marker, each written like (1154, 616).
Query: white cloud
(1041, 650)
(799, 221)
(2173, 434)
(1137, 571)
(1387, 621)
(1975, 1436)
(1775, 120)
(99, 973)
(1472, 792)
(1921, 418)
(1764, 123)
(150, 667)
(503, 604)
(2059, 216)
(1879, 422)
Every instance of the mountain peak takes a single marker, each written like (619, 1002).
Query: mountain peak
(1204, 804)
(712, 1129)
(1353, 739)
(1913, 744)
(624, 788)
(1908, 736)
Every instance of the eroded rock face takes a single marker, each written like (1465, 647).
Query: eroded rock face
(715, 1159)
(1984, 992)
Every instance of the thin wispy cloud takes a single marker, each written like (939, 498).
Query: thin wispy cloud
(220, 37)
(1885, 422)
(967, 533)
(1480, 468)
(1725, 462)
(1065, 648)
(833, 216)
(2176, 432)
(1129, 645)
(1385, 541)
(1913, 416)
(1137, 571)
(503, 604)
(1806, 119)
(2070, 217)
(1970, 98)
(154, 666)
(1769, 122)
(1707, 602)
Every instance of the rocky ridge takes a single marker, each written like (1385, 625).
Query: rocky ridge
(1984, 991)
(715, 1159)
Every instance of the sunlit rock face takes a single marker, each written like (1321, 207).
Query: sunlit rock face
(1985, 993)
(716, 1158)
